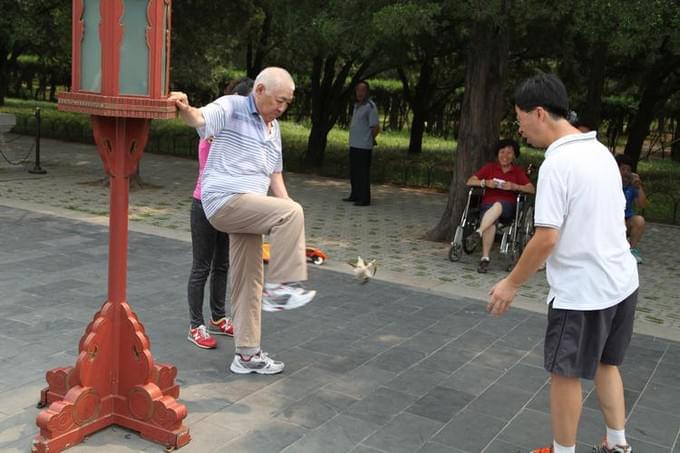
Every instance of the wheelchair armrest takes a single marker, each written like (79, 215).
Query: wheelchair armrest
(476, 190)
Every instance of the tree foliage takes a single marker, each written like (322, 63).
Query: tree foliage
(620, 61)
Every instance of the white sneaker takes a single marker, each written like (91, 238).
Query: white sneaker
(259, 363)
(285, 297)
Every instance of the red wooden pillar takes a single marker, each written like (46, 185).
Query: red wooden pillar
(115, 379)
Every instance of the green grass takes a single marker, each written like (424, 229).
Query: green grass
(391, 162)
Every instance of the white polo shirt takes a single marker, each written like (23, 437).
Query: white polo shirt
(579, 193)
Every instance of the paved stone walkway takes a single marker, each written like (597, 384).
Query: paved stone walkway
(381, 368)
(390, 230)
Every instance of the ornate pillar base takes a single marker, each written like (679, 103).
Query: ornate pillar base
(115, 379)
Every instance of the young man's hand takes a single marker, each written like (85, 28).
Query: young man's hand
(500, 297)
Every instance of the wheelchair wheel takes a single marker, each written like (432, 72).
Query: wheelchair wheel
(455, 252)
(525, 230)
(527, 227)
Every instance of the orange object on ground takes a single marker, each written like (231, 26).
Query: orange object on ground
(314, 254)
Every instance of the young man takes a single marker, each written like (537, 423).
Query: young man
(244, 163)
(592, 276)
(502, 179)
(635, 198)
(364, 128)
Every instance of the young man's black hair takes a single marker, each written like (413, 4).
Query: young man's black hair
(508, 142)
(543, 90)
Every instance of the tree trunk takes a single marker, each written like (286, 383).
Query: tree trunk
(639, 127)
(675, 146)
(53, 89)
(592, 110)
(4, 75)
(395, 110)
(421, 105)
(328, 92)
(655, 89)
(3, 84)
(255, 59)
(480, 116)
(415, 144)
(316, 144)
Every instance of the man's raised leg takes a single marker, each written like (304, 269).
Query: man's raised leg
(283, 219)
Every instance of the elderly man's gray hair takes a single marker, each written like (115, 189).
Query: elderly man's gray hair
(274, 77)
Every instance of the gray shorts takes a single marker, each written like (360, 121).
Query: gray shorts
(577, 341)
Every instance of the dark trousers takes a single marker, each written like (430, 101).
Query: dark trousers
(210, 257)
(360, 174)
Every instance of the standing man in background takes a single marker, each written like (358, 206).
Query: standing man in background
(365, 126)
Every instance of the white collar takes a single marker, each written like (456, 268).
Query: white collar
(592, 135)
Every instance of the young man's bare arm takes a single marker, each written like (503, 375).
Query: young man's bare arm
(536, 252)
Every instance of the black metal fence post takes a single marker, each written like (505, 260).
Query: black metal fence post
(36, 167)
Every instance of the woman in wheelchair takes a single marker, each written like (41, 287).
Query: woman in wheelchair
(501, 180)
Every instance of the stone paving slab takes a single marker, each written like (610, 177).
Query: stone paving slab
(420, 372)
(391, 230)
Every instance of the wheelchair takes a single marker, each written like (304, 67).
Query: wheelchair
(514, 232)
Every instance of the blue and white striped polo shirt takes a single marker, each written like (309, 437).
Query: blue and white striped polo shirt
(243, 154)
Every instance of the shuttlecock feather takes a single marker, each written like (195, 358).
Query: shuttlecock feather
(364, 270)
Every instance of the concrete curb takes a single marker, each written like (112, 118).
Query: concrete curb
(428, 286)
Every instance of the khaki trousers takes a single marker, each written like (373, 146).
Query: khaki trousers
(246, 217)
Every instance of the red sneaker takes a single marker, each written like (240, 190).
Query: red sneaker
(222, 327)
(543, 450)
(201, 338)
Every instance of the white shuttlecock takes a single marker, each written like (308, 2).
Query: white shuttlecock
(364, 270)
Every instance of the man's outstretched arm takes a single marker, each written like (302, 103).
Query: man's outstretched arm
(534, 255)
(190, 115)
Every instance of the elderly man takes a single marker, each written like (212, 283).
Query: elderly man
(244, 163)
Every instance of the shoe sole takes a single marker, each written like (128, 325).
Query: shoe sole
(191, 340)
(292, 306)
(249, 371)
(220, 332)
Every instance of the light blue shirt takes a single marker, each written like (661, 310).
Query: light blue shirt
(243, 154)
(364, 119)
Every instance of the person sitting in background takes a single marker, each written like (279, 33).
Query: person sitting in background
(501, 179)
(635, 198)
